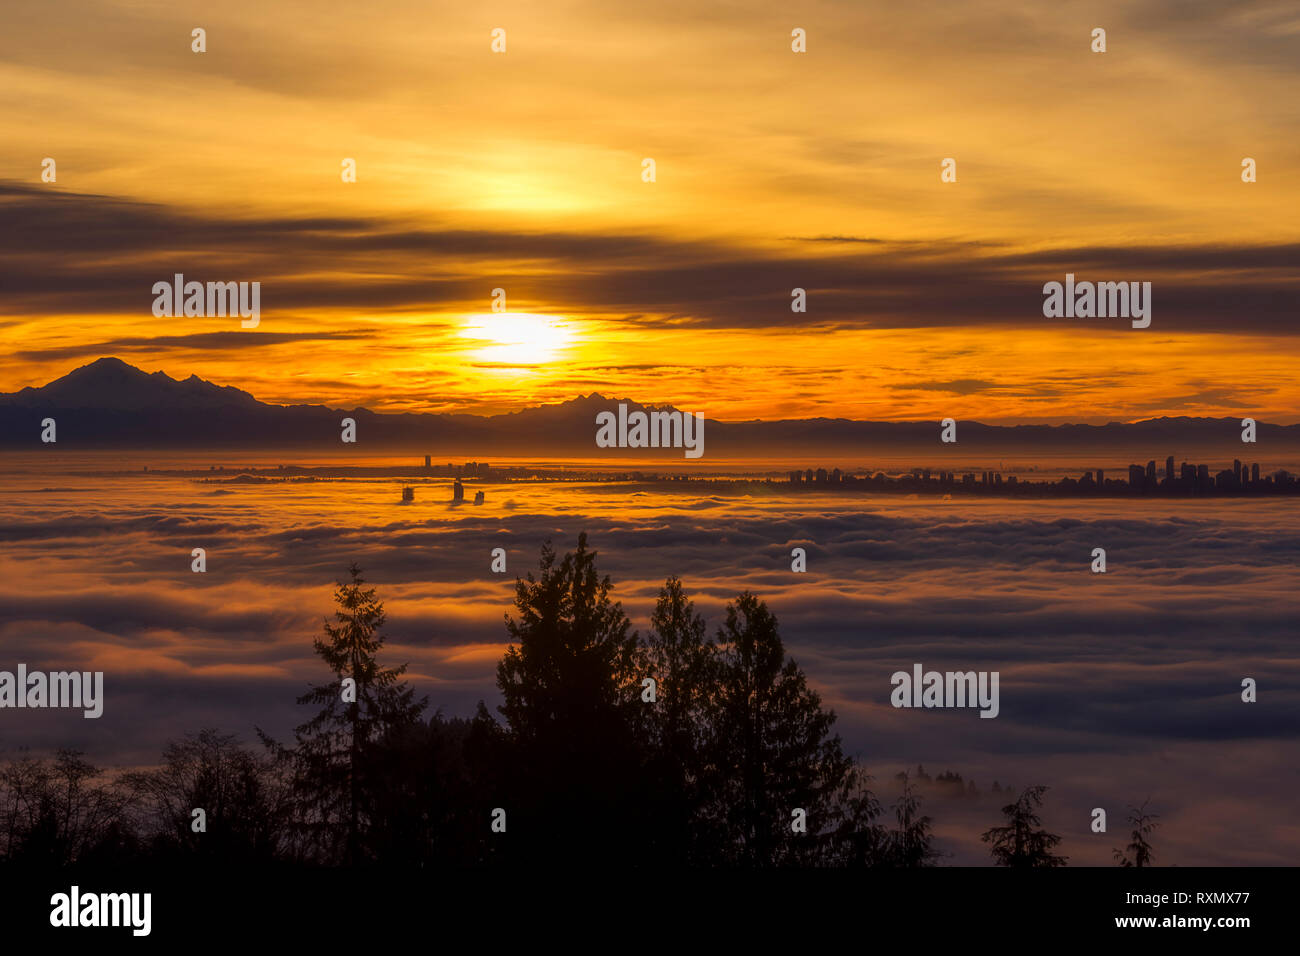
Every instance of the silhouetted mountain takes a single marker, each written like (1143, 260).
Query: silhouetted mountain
(110, 403)
(111, 384)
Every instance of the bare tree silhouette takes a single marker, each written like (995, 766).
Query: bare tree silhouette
(59, 813)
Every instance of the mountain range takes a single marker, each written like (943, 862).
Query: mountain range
(110, 403)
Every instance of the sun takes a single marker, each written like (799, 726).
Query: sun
(516, 338)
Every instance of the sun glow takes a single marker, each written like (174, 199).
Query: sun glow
(516, 338)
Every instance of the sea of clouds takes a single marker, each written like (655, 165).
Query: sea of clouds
(1115, 688)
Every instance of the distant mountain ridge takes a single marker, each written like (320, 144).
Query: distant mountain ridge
(111, 403)
(110, 383)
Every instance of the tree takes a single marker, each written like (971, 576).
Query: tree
(1143, 823)
(24, 790)
(681, 659)
(440, 778)
(1022, 843)
(245, 801)
(337, 758)
(571, 657)
(857, 840)
(912, 843)
(771, 750)
(53, 815)
(569, 685)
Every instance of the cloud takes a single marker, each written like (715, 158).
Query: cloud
(151, 345)
(68, 252)
(1098, 673)
(965, 386)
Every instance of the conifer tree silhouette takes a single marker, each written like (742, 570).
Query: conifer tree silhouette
(679, 656)
(570, 687)
(1023, 842)
(1139, 848)
(589, 771)
(771, 749)
(912, 843)
(336, 757)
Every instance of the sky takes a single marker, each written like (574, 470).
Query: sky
(775, 170)
(522, 171)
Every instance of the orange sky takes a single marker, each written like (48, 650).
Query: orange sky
(522, 171)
